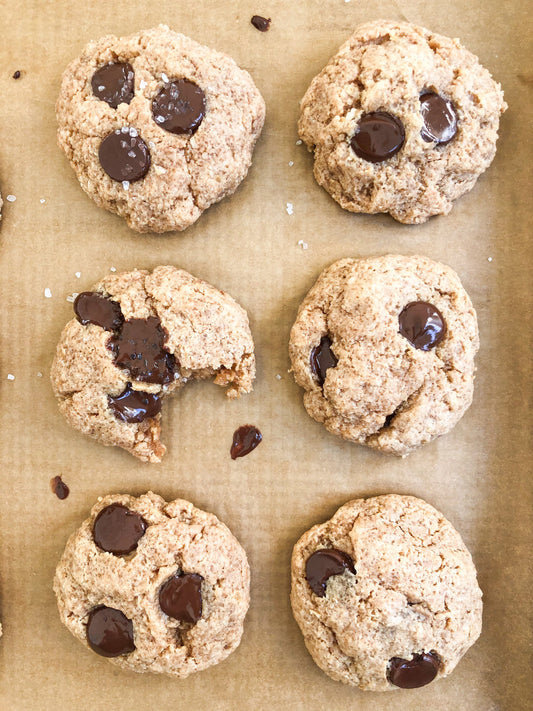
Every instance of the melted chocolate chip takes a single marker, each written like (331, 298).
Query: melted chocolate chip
(379, 136)
(109, 632)
(117, 529)
(415, 672)
(59, 487)
(180, 597)
(322, 358)
(91, 307)
(139, 347)
(179, 107)
(16, 75)
(134, 405)
(422, 324)
(245, 439)
(113, 83)
(440, 119)
(261, 23)
(324, 563)
(124, 157)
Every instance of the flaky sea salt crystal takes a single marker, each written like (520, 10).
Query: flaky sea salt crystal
(125, 129)
(39, 374)
(112, 269)
(126, 184)
(159, 170)
(71, 298)
(278, 376)
(142, 84)
(164, 77)
(42, 201)
(302, 244)
(133, 132)
(489, 259)
(289, 208)
(78, 275)
(299, 142)
(10, 376)
(11, 198)
(48, 293)
(291, 163)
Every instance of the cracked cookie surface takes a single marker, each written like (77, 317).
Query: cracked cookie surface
(137, 337)
(163, 180)
(392, 68)
(176, 540)
(364, 379)
(414, 592)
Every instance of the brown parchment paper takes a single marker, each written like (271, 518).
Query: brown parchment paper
(479, 475)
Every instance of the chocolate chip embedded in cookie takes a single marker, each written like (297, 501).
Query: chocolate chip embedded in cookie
(401, 120)
(384, 348)
(385, 594)
(154, 586)
(136, 338)
(161, 133)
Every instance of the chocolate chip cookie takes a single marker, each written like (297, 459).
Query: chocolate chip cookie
(384, 348)
(401, 120)
(385, 594)
(136, 338)
(154, 586)
(158, 127)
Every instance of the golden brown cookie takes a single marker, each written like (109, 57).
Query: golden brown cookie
(154, 586)
(136, 338)
(385, 594)
(158, 127)
(401, 120)
(384, 348)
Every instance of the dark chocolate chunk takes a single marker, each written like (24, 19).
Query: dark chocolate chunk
(379, 136)
(261, 23)
(180, 597)
(123, 156)
(422, 324)
(324, 563)
(109, 632)
(59, 487)
(117, 529)
(92, 307)
(139, 347)
(134, 405)
(179, 107)
(415, 672)
(440, 119)
(322, 358)
(245, 439)
(16, 75)
(114, 83)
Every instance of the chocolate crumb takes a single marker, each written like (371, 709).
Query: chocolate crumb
(245, 439)
(59, 487)
(261, 23)
(16, 75)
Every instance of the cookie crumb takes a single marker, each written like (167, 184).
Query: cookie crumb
(261, 23)
(48, 293)
(17, 74)
(59, 487)
(11, 198)
(302, 244)
(159, 170)
(10, 376)
(289, 208)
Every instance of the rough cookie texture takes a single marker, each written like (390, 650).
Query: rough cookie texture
(178, 538)
(414, 591)
(188, 173)
(386, 66)
(205, 330)
(384, 392)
